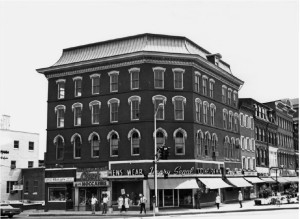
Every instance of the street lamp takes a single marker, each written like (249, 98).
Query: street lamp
(155, 208)
(276, 169)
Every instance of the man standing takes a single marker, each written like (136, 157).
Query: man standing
(93, 202)
(104, 201)
(240, 199)
(218, 200)
(143, 201)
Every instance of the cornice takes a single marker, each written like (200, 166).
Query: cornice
(139, 58)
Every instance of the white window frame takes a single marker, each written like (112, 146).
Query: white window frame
(74, 107)
(91, 105)
(224, 94)
(129, 136)
(242, 143)
(211, 87)
(90, 139)
(213, 110)
(235, 98)
(163, 100)
(204, 85)
(183, 102)
(229, 97)
(57, 110)
(130, 101)
(93, 77)
(225, 118)
(179, 71)
(230, 121)
(184, 136)
(110, 142)
(60, 82)
(205, 112)
(111, 83)
(131, 71)
(162, 71)
(197, 81)
(74, 146)
(75, 80)
(109, 103)
(56, 146)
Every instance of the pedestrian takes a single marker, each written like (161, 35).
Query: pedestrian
(218, 200)
(126, 202)
(104, 201)
(93, 202)
(240, 198)
(121, 203)
(143, 201)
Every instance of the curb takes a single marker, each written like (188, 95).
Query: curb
(162, 214)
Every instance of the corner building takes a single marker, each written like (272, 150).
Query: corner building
(100, 132)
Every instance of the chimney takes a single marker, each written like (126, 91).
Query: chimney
(214, 58)
(5, 122)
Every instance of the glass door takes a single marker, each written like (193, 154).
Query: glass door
(168, 198)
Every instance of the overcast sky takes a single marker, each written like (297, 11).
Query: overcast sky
(259, 39)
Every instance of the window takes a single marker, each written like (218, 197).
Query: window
(225, 115)
(159, 77)
(16, 144)
(212, 114)
(204, 85)
(95, 83)
(232, 146)
(205, 110)
(244, 162)
(134, 136)
(114, 108)
(113, 81)
(31, 146)
(26, 187)
(230, 120)
(178, 78)
(242, 142)
(94, 140)
(214, 145)
(235, 98)
(77, 145)
(61, 88)
(179, 102)
(134, 102)
(134, 78)
(95, 108)
(197, 82)
(229, 96)
(179, 136)
(224, 92)
(77, 107)
(161, 110)
(198, 106)
(226, 145)
(207, 143)
(199, 142)
(242, 119)
(236, 122)
(35, 187)
(30, 164)
(211, 88)
(59, 144)
(13, 164)
(78, 86)
(9, 185)
(57, 194)
(113, 138)
(60, 116)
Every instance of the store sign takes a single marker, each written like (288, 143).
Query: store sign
(176, 171)
(17, 187)
(91, 174)
(248, 173)
(91, 183)
(59, 180)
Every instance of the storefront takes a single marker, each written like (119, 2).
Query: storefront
(251, 177)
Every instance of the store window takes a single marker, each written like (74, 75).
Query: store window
(159, 77)
(95, 83)
(134, 78)
(114, 77)
(59, 144)
(57, 194)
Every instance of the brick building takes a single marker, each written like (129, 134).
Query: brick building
(101, 103)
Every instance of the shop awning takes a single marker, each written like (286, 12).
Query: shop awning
(281, 180)
(239, 182)
(268, 179)
(291, 179)
(254, 179)
(181, 183)
(214, 183)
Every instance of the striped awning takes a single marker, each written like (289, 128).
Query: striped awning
(214, 183)
(176, 183)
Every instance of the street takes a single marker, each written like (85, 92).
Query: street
(290, 214)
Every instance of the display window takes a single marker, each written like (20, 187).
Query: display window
(57, 194)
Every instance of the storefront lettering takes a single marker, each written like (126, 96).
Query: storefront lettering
(117, 172)
(134, 172)
(179, 171)
(90, 183)
(90, 176)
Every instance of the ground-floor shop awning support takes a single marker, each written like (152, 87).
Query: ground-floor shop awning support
(214, 183)
(254, 179)
(239, 182)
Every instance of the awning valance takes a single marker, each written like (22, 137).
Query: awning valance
(214, 183)
(181, 183)
(239, 182)
(268, 180)
(281, 180)
(254, 179)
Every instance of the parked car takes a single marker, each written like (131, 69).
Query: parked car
(8, 210)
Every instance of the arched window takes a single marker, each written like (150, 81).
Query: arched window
(237, 148)
(199, 142)
(212, 114)
(113, 138)
(94, 140)
(134, 102)
(114, 109)
(179, 102)
(211, 88)
(214, 144)
(205, 111)
(232, 147)
(158, 99)
(224, 93)
(77, 109)
(207, 143)
(78, 86)
(160, 138)
(77, 145)
(134, 136)
(230, 120)
(95, 109)
(198, 107)
(197, 78)
(178, 78)
(225, 118)
(60, 115)
(179, 136)
(114, 78)
(226, 145)
(59, 143)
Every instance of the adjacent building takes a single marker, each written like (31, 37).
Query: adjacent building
(19, 150)
(100, 129)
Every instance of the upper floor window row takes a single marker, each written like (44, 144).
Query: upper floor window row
(246, 121)
(204, 85)
(229, 96)
(205, 112)
(230, 120)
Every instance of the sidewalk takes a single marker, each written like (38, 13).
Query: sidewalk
(224, 208)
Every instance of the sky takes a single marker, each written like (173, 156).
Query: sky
(257, 38)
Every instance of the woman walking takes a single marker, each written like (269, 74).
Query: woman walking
(218, 200)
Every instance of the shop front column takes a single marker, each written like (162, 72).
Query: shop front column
(76, 201)
(146, 193)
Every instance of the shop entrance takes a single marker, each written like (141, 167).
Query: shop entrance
(173, 197)
(85, 197)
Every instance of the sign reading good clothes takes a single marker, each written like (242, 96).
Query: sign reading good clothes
(176, 171)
